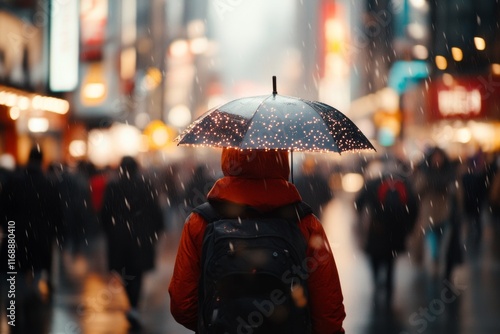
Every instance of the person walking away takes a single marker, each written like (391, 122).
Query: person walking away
(132, 220)
(79, 219)
(494, 192)
(255, 181)
(30, 210)
(474, 182)
(387, 208)
(197, 188)
(313, 187)
(435, 185)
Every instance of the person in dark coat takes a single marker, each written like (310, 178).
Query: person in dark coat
(31, 201)
(313, 187)
(31, 217)
(79, 219)
(435, 181)
(474, 182)
(132, 220)
(387, 209)
(197, 188)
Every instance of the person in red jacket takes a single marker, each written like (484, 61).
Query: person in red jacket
(259, 179)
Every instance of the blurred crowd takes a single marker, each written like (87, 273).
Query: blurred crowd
(447, 203)
(59, 209)
(67, 208)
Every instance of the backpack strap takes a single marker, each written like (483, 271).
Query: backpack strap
(208, 212)
(212, 211)
(303, 209)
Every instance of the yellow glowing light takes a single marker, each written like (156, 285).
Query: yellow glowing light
(51, 104)
(14, 113)
(480, 43)
(335, 35)
(94, 90)
(77, 148)
(179, 116)
(152, 79)
(23, 102)
(420, 51)
(352, 182)
(441, 62)
(158, 135)
(418, 3)
(9, 99)
(457, 54)
(495, 68)
(179, 48)
(463, 135)
(38, 124)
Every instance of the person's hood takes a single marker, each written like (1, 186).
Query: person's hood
(255, 164)
(257, 178)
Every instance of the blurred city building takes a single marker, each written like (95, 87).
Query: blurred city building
(29, 110)
(101, 79)
(429, 72)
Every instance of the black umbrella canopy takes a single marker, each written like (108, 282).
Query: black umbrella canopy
(276, 122)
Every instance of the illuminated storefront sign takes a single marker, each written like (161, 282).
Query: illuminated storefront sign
(459, 102)
(462, 98)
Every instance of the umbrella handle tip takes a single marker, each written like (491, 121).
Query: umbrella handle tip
(274, 85)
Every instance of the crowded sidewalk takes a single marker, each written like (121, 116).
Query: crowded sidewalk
(89, 300)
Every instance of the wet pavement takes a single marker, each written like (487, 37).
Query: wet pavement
(88, 300)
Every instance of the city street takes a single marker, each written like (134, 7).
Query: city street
(88, 301)
(117, 118)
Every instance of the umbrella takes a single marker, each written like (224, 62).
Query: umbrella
(276, 122)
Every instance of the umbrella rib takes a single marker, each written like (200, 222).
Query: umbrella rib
(251, 118)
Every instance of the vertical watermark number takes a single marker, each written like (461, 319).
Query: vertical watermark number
(11, 273)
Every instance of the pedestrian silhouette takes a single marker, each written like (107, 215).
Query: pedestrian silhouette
(132, 221)
(474, 182)
(79, 219)
(313, 186)
(198, 187)
(434, 181)
(31, 214)
(387, 208)
(494, 191)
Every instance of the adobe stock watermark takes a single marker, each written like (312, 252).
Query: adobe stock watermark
(488, 85)
(11, 273)
(374, 26)
(420, 319)
(265, 308)
(226, 6)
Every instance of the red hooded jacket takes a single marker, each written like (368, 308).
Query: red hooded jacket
(259, 179)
